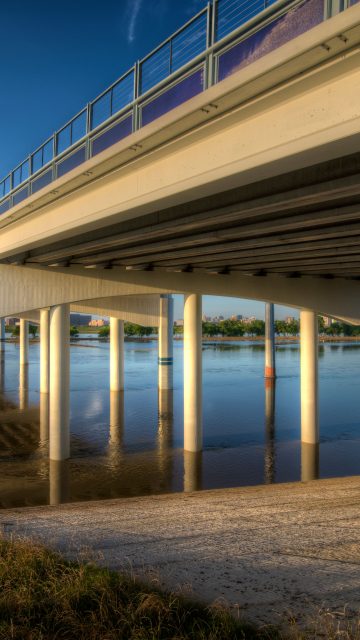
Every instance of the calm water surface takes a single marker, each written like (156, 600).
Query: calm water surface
(131, 444)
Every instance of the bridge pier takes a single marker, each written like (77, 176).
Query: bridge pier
(116, 354)
(59, 382)
(309, 461)
(24, 341)
(165, 359)
(269, 431)
(192, 372)
(192, 471)
(309, 376)
(269, 341)
(23, 386)
(44, 350)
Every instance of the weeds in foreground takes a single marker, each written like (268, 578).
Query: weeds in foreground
(42, 596)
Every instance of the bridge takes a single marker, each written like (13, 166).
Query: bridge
(226, 163)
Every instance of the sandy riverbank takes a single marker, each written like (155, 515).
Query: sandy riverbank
(270, 550)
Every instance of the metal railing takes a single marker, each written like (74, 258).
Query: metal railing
(222, 38)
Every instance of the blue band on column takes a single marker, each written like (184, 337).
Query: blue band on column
(165, 361)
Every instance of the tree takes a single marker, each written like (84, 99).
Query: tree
(178, 330)
(209, 329)
(15, 330)
(33, 329)
(104, 332)
(74, 332)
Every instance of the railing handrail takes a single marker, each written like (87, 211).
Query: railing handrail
(140, 98)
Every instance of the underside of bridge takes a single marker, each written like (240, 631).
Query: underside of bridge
(303, 223)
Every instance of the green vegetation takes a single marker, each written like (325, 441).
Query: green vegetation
(74, 332)
(130, 330)
(104, 332)
(33, 330)
(44, 597)
(238, 328)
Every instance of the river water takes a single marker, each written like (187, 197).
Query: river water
(130, 443)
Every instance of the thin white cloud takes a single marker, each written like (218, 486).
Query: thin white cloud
(135, 9)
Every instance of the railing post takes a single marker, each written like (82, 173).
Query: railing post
(136, 123)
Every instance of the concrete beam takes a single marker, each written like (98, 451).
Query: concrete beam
(24, 288)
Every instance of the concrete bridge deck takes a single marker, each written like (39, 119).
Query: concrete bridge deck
(273, 551)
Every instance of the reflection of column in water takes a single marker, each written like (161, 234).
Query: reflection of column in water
(192, 471)
(309, 461)
(59, 478)
(117, 421)
(165, 425)
(269, 430)
(24, 386)
(44, 420)
(2, 372)
(165, 436)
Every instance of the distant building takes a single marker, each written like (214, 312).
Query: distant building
(206, 318)
(290, 319)
(236, 317)
(79, 319)
(179, 323)
(327, 321)
(98, 323)
(249, 320)
(11, 322)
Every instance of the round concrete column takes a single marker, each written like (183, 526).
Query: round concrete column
(309, 461)
(192, 471)
(309, 376)
(24, 342)
(116, 354)
(24, 386)
(269, 341)
(192, 372)
(59, 410)
(165, 360)
(2, 334)
(269, 430)
(44, 350)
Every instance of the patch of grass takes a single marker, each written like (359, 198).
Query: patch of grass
(42, 596)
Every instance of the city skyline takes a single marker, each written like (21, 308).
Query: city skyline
(216, 305)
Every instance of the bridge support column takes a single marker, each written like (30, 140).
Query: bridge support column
(269, 430)
(2, 334)
(309, 461)
(309, 376)
(24, 342)
(192, 372)
(44, 350)
(59, 382)
(165, 360)
(24, 386)
(116, 354)
(269, 341)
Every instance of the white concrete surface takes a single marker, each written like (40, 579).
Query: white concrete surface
(59, 382)
(116, 354)
(309, 387)
(192, 372)
(24, 342)
(44, 350)
(165, 342)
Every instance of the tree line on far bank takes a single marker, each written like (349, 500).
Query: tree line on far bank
(238, 328)
(225, 328)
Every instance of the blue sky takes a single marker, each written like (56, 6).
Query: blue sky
(56, 56)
